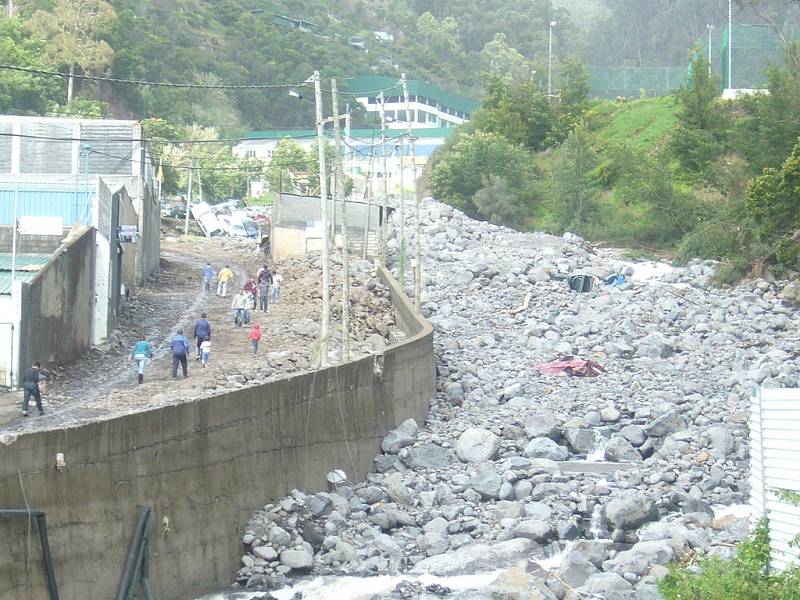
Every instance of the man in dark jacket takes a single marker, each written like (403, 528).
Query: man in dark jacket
(202, 332)
(30, 386)
(180, 354)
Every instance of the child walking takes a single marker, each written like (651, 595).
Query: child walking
(255, 337)
(205, 352)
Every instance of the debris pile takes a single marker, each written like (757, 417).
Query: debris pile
(575, 485)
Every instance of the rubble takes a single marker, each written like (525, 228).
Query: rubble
(503, 471)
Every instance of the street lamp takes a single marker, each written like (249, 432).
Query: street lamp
(299, 96)
(550, 62)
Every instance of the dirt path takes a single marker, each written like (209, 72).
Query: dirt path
(102, 383)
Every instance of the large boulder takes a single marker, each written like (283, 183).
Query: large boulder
(544, 447)
(477, 445)
(533, 529)
(581, 440)
(721, 440)
(429, 456)
(619, 449)
(398, 491)
(475, 558)
(542, 425)
(630, 509)
(640, 558)
(667, 424)
(518, 584)
(404, 435)
(575, 569)
(487, 483)
(297, 558)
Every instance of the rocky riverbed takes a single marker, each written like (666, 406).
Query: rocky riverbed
(566, 487)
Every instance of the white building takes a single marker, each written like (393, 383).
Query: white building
(364, 153)
(431, 106)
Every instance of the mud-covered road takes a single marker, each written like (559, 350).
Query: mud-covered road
(102, 383)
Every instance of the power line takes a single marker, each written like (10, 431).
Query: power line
(139, 140)
(169, 84)
(242, 168)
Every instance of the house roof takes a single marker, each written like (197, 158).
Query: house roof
(371, 85)
(27, 266)
(364, 134)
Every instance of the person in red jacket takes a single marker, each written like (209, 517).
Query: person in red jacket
(255, 337)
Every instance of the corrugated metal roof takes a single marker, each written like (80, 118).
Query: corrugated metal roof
(25, 261)
(5, 279)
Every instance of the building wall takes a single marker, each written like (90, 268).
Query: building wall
(775, 465)
(55, 326)
(38, 244)
(9, 341)
(203, 467)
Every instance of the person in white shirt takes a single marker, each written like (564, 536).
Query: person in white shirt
(205, 352)
(277, 280)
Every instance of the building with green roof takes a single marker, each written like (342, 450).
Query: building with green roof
(431, 106)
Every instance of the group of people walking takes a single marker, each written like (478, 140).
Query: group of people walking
(256, 294)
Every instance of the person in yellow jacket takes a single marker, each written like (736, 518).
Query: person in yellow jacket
(223, 279)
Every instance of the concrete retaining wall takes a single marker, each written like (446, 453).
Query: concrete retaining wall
(56, 321)
(203, 467)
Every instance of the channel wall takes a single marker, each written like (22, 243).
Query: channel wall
(203, 467)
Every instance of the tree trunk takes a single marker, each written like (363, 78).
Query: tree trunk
(9, 8)
(70, 83)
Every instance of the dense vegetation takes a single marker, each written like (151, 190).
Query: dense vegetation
(746, 577)
(690, 172)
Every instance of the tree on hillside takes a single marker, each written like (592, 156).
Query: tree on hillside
(472, 159)
(503, 61)
(73, 32)
(22, 92)
(772, 125)
(498, 203)
(287, 162)
(698, 139)
(519, 112)
(576, 190)
(773, 200)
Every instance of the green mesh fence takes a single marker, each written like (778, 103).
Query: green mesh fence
(634, 82)
(754, 48)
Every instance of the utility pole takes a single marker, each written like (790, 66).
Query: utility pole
(417, 225)
(188, 201)
(326, 258)
(709, 27)
(385, 215)
(345, 239)
(550, 64)
(730, 44)
(401, 259)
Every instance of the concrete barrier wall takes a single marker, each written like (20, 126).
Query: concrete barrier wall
(56, 324)
(203, 467)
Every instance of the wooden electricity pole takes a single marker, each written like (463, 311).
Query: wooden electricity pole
(340, 197)
(326, 258)
(418, 229)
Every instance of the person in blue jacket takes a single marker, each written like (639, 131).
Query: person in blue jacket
(180, 354)
(208, 275)
(142, 351)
